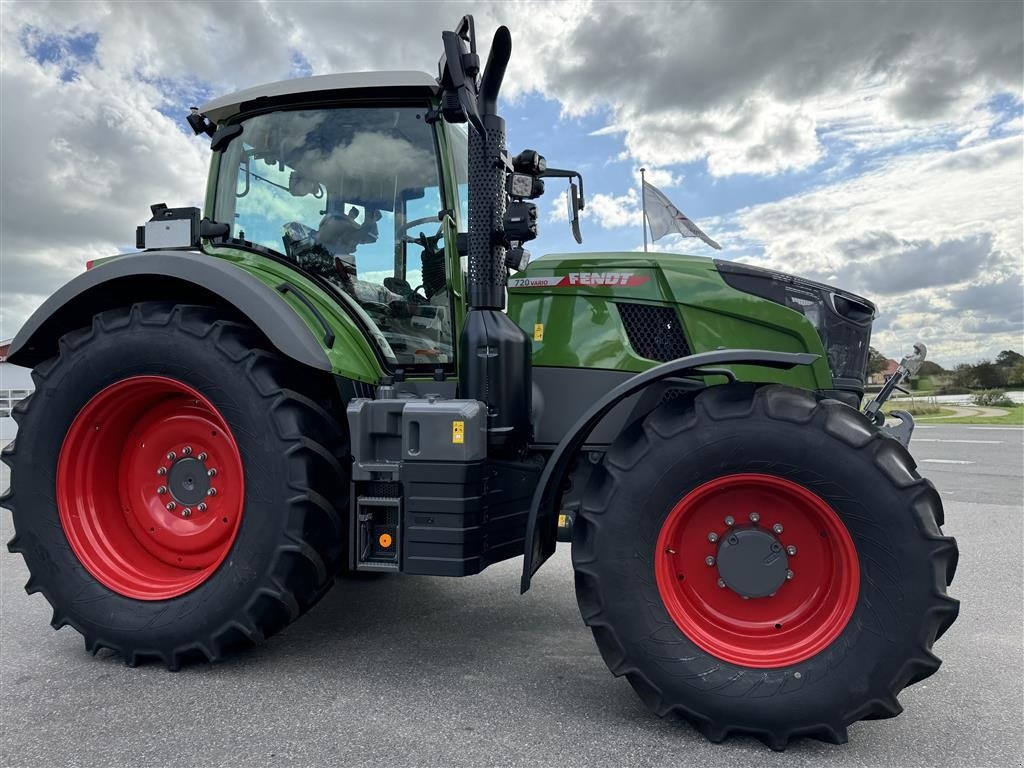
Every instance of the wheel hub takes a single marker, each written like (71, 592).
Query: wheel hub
(752, 562)
(187, 481)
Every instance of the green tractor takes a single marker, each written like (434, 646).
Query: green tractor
(328, 371)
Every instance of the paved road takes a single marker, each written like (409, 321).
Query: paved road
(424, 672)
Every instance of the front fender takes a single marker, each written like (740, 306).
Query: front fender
(541, 525)
(185, 276)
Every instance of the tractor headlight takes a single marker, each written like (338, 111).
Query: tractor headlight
(842, 319)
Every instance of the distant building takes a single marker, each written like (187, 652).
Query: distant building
(15, 385)
(883, 376)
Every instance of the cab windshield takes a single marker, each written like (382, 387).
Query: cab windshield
(351, 195)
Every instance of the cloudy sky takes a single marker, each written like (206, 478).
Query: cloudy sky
(874, 145)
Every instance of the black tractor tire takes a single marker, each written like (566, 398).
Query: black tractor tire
(291, 502)
(870, 481)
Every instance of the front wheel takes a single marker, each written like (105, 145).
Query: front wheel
(761, 561)
(176, 490)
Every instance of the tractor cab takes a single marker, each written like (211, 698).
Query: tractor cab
(353, 192)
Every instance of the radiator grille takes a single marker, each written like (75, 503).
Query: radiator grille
(653, 332)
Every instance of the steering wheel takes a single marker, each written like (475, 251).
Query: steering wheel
(415, 223)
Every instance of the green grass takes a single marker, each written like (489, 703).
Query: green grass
(1014, 416)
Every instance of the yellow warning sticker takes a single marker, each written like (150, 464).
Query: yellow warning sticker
(458, 432)
(538, 332)
(563, 521)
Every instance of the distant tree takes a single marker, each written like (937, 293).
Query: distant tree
(1008, 358)
(877, 362)
(1016, 375)
(928, 368)
(963, 376)
(988, 375)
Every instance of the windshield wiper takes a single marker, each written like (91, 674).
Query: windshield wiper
(268, 181)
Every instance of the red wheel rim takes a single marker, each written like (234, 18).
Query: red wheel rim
(150, 487)
(807, 610)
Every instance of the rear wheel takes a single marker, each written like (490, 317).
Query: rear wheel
(176, 492)
(760, 561)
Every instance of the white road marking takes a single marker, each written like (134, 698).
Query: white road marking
(945, 461)
(1013, 429)
(940, 440)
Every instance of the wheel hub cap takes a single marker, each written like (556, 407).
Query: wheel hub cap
(752, 562)
(187, 481)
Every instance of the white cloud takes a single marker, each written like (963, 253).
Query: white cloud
(659, 177)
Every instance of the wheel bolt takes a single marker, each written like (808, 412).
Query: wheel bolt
(754, 517)
(789, 575)
(791, 550)
(729, 520)
(202, 506)
(202, 456)
(171, 506)
(709, 560)
(171, 456)
(161, 471)
(721, 583)
(712, 537)
(212, 492)
(186, 512)
(186, 450)
(211, 472)
(777, 528)
(162, 490)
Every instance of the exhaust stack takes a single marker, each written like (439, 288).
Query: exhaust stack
(495, 354)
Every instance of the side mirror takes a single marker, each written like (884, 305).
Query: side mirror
(575, 206)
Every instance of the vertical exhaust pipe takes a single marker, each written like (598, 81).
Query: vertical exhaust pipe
(495, 354)
(487, 270)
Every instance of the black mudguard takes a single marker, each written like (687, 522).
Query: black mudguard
(184, 276)
(542, 524)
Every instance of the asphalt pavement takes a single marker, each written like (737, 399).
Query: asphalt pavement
(414, 671)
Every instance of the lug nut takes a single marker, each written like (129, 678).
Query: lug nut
(171, 456)
(712, 537)
(162, 490)
(777, 528)
(161, 471)
(211, 472)
(186, 512)
(791, 550)
(202, 456)
(186, 450)
(789, 575)
(754, 517)
(202, 506)
(171, 506)
(709, 560)
(729, 520)
(721, 583)
(212, 492)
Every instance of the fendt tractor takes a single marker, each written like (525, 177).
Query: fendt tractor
(329, 371)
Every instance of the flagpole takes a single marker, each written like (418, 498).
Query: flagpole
(643, 205)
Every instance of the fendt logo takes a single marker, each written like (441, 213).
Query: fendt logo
(579, 278)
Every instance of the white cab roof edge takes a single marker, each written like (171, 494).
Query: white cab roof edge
(224, 107)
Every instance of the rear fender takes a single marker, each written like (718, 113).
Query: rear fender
(542, 524)
(183, 276)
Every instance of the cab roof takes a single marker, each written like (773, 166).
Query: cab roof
(401, 82)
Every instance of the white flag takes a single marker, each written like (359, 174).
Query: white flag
(664, 218)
